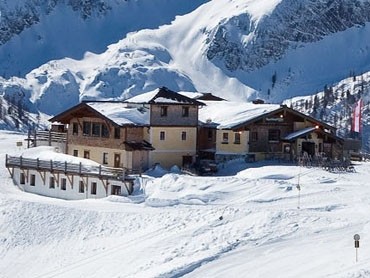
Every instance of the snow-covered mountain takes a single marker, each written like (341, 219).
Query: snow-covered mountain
(271, 49)
(33, 32)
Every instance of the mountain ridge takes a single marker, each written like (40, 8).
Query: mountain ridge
(177, 55)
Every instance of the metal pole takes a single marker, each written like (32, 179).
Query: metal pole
(299, 189)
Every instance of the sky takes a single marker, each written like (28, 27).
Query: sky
(245, 219)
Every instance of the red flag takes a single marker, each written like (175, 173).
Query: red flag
(356, 118)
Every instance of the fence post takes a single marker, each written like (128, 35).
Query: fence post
(49, 137)
(29, 138)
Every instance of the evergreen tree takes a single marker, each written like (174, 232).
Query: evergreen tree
(273, 79)
(20, 110)
(1, 107)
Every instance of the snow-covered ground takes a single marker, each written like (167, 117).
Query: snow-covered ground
(245, 223)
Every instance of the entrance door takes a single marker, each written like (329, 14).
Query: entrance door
(187, 160)
(309, 148)
(117, 160)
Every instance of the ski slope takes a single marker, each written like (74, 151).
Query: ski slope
(245, 222)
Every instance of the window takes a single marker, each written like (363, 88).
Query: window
(75, 153)
(96, 129)
(51, 182)
(33, 180)
(185, 111)
(163, 111)
(210, 135)
(116, 190)
(105, 158)
(104, 131)
(81, 187)
(162, 135)
(236, 138)
(22, 178)
(86, 127)
(75, 128)
(183, 135)
(87, 154)
(93, 188)
(117, 133)
(274, 135)
(225, 138)
(63, 185)
(254, 136)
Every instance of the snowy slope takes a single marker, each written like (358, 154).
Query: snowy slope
(172, 226)
(336, 103)
(235, 49)
(35, 32)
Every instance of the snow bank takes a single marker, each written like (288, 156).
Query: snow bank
(185, 226)
(51, 153)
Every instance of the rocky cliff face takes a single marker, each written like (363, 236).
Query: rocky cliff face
(22, 15)
(242, 43)
(33, 32)
(270, 49)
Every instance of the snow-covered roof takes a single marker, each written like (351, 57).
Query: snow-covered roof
(163, 95)
(193, 95)
(228, 114)
(47, 153)
(143, 98)
(299, 133)
(120, 113)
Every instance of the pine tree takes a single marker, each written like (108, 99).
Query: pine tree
(1, 107)
(20, 110)
(273, 79)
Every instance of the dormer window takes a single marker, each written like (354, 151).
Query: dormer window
(163, 111)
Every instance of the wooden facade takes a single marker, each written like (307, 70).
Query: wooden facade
(94, 136)
(272, 135)
(165, 114)
(173, 135)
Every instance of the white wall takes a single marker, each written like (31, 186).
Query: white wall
(42, 188)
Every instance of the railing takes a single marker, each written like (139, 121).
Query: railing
(66, 167)
(47, 136)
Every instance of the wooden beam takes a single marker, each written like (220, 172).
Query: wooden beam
(25, 172)
(43, 176)
(105, 184)
(56, 177)
(70, 179)
(11, 172)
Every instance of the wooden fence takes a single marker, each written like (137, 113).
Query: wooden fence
(67, 168)
(46, 136)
